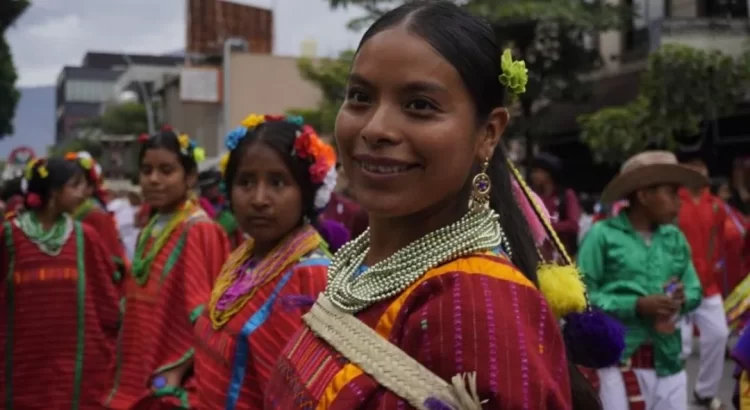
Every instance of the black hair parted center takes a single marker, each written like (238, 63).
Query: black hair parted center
(279, 136)
(168, 140)
(470, 45)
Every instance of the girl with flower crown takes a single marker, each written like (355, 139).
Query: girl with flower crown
(279, 176)
(60, 314)
(177, 256)
(92, 211)
(443, 303)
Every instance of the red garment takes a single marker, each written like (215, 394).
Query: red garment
(473, 314)
(104, 223)
(735, 247)
(566, 226)
(216, 357)
(702, 220)
(45, 294)
(157, 332)
(347, 212)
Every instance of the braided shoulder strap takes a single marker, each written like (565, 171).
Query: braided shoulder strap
(389, 365)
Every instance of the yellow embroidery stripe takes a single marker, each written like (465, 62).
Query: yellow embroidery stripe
(475, 265)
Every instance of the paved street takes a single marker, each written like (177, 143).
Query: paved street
(726, 386)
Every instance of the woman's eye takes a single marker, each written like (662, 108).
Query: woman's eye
(278, 183)
(357, 97)
(420, 105)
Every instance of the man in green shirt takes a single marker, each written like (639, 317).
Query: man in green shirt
(637, 268)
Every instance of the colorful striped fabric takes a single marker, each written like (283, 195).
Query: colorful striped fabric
(58, 323)
(104, 223)
(157, 331)
(233, 364)
(474, 314)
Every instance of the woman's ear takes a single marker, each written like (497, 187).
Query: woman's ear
(491, 133)
(191, 179)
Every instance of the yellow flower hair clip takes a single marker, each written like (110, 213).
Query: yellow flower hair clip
(253, 120)
(43, 171)
(223, 162)
(29, 171)
(515, 76)
(86, 163)
(199, 154)
(184, 141)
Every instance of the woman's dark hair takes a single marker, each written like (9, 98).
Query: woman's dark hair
(717, 183)
(279, 136)
(91, 181)
(58, 172)
(470, 45)
(167, 139)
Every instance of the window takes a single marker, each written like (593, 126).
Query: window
(93, 91)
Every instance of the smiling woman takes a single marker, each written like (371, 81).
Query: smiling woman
(436, 306)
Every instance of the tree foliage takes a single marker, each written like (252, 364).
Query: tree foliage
(330, 77)
(92, 146)
(10, 11)
(122, 119)
(681, 88)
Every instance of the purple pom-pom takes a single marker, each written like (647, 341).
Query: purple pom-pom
(433, 403)
(594, 339)
(335, 233)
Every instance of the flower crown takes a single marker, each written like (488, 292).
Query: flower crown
(35, 167)
(188, 147)
(307, 146)
(515, 75)
(87, 162)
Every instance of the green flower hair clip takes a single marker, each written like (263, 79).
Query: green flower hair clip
(515, 76)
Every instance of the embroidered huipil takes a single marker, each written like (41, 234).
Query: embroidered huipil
(474, 314)
(233, 363)
(618, 267)
(59, 317)
(702, 221)
(157, 331)
(104, 223)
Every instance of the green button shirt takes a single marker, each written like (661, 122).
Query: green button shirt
(618, 267)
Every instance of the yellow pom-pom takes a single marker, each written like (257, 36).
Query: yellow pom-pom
(184, 140)
(563, 288)
(199, 154)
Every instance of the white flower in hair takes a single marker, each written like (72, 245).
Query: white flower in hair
(24, 186)
(84, 154)
(323, 196)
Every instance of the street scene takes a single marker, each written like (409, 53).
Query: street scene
(375, 204)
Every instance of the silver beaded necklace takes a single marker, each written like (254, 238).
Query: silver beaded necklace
(476, 231)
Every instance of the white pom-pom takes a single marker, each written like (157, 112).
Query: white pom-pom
(323, 196)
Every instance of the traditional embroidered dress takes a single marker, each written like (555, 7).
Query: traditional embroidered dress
(235, 353)
(58, 320)
(176, 257)
(91, 213)
(473, 314)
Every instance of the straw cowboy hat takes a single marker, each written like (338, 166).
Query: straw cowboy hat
(651, 168)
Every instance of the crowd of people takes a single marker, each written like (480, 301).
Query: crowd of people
(431, 277)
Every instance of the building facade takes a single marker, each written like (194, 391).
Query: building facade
(82, 91)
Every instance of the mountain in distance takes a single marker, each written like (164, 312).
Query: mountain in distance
(34, 122)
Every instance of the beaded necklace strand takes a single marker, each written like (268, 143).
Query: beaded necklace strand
(222, 306)
(352, 292)
(49, 241)
(141, 265)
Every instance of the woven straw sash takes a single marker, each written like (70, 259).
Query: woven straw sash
(386, 363)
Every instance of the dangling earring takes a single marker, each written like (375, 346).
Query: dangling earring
(480, 191)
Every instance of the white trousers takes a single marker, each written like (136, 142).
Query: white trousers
(659, 393)
(711, 321)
